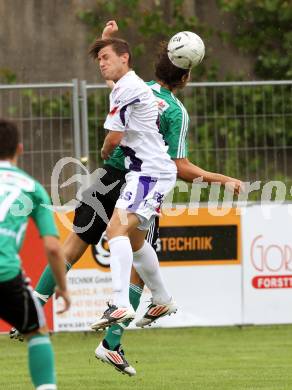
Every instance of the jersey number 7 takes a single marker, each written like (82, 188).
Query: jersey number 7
(8, 195)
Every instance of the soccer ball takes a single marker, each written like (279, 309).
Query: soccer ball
(185, 49)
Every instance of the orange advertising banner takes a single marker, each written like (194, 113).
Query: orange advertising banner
(205, 238)
(184, 239)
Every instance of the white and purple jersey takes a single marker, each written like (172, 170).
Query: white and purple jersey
(134, 110)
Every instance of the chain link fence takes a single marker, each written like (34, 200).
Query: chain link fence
(241, 129)
(47, 116)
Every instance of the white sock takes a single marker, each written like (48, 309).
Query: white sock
(121, 263)
(147, 265)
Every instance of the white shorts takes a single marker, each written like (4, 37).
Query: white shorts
(143, 195)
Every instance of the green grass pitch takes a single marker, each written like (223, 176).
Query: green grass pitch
(249, 358)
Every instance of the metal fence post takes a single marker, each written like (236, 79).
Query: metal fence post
(76, 120)
(84, 124)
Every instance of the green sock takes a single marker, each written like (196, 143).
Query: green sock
(41, 361)
(46, 284)
(115, 332)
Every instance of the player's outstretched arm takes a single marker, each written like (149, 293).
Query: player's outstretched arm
(56, 260)
(188, 171)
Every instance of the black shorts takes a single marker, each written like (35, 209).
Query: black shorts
(96, 208)
(19, 307)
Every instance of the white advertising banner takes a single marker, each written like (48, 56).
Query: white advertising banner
(205, 296)
(267, 264)
(89, 290)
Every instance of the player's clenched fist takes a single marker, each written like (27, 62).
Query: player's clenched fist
(111, 27)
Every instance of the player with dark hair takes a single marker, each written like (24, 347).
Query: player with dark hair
(174, 122)
(22, 197)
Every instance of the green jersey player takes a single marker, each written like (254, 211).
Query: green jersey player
(174, 122)
(22, 197)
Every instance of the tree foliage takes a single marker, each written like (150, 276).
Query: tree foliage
(263, 31)
(144, 25)
(243, 132)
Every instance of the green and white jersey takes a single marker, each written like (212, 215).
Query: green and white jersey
(174, 126)
(174, 121)
(21, 197)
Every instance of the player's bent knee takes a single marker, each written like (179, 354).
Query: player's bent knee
(135, 278)
(137, 238)
(74, 248)
(40, 331)
(114, 231)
